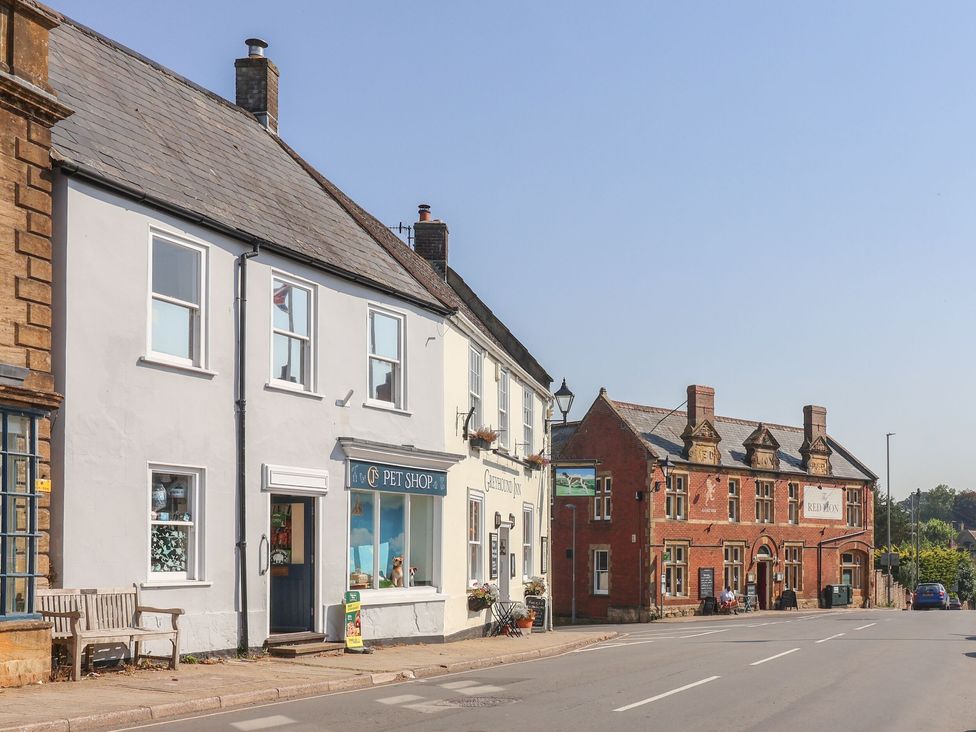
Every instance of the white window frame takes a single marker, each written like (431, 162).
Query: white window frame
(676, 502)
(504, 408)
(607, 487)
(793, 568)
(475, 398)
(597, 572)
(528, 540)
(733, 563)
(479, 498)
(856, 506)
(598, 500)
(528, 420)
(199, 321)
(765, 509)
(197, 505)
(793, 497)
(399, 402)
(309, 366)
(735, 498)
(676, 567)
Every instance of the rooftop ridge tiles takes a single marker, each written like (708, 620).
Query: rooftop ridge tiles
(718, 418)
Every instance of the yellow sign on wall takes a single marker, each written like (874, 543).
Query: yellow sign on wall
(42, 485)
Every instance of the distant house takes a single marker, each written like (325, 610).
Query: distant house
(966, 541)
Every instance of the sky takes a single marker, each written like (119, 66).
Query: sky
(772, 199)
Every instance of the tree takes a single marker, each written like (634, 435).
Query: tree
(964, 508)
(966, 577)
(936, 533)
(938, 503)
(901, 529)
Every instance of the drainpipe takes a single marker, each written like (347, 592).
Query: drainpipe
(820, 546)
(240, 406)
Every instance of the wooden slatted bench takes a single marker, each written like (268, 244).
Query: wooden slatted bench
(84, 618)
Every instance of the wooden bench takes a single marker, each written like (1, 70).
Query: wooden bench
(84, 618)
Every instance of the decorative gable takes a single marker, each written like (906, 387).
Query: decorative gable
(762, 449)
(701, 443)
(816, 456)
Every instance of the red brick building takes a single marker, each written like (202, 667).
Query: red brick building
(764, 507)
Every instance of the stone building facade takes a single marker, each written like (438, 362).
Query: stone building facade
(28, 109)
(761, 507)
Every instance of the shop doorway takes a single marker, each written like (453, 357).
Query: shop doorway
(292, 564)
(762, 584)
(503, 573)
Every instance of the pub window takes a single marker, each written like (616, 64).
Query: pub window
(18, 513)
(676, 569)
(764, 502)
(676, 497)
(504, 382)
(601, 571)
(528, 525)
(528, 420)
(475, 366)
(291, 333)
(793, 563)
(851, 568)
(476, 564)
(174, 519)
(177, 294)
(734, 500)
(854, 507)
(794, 496)
(601, 499)
(733, 566)
(391, 540)
(385, 358)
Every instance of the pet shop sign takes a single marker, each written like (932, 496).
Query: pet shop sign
(380, 477)
(822, 503)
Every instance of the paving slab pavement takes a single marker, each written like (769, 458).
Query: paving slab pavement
(122, 698)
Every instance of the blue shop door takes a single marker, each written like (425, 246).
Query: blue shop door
(292, 564)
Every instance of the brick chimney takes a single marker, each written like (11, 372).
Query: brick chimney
(814, 422)
(257, 84)
(701, 404)
(815, 450)
(700, 436)
(430, 240)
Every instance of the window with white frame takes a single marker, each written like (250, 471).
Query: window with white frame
(292, 305)
(528, 525)
(504, 383)
(601, 571)
(793, 563)
(174, 537)
(385, 358)
(734, 496)
(476, 563)
(676, 497)
(18, 513)
(601, 498)
(851, 568)
(475, 367)
(794, 503)
(676, 569)
(764, 501)
(733, 566)
(177, 315)
(528, 420)
(391, 540)
(854, 507)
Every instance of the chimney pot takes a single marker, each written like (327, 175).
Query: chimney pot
(424, 210)
(255, 47)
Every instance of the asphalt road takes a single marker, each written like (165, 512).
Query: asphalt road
(845, 670)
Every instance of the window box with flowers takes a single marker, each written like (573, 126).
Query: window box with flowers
(483, 597)
(535, 462)
(483, 438)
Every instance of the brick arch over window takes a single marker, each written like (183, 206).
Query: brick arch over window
(854, 565)
(760, 542)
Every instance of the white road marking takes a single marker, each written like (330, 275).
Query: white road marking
(402, 699)
(824, 640)
(707, 632)
(778, 655)
(276, 720)
(865, 626)
(458, 684)
(486, 689)
(427, 707)
(667, 693)
(613, 645)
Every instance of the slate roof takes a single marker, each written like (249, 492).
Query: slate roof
(560, 436)
(966, 537)
(660, 431)
(149, 129)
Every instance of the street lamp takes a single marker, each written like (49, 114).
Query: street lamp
(564, 399)
(572, 507)
(888, 437)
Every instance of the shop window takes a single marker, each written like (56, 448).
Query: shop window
(733, 566)
(601, 571)
(851, 568)
(734, 500)
(528, 525)
(764, 502)
(476, 362)
(391, 540)
(503, 407)
(854, 507)
(676, 497)
(177, 323)
(476, 563)
(18, 513)
(292, 306)
(676, 570)
(794, 503)
(793, 563)
(385, 358)
(174, 524)
(528, 420)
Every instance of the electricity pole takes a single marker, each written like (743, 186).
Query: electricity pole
(888, 550)
(918, 526)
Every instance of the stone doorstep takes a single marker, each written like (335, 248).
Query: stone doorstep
(241, 699)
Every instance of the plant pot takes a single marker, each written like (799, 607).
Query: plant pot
(480, 444)
(524, 623)
(476, 604)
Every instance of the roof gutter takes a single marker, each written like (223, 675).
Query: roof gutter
(71, 168)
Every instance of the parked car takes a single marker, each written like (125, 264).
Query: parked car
(929, 595)
(954, 603)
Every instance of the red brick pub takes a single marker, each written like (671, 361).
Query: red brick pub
(765, 507)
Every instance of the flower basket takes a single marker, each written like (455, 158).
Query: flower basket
(476, 604)
(535, 462)
(479, 444)
(483, 597)
(482, 439)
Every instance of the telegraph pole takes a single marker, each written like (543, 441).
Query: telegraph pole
(888, 549)
(918, 516)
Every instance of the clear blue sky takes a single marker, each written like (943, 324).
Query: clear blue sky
(772, 199)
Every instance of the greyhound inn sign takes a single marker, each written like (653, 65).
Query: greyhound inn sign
(498, 484)
(823, 503)
(381, 477)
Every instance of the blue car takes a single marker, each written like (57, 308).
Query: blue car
(929, 595)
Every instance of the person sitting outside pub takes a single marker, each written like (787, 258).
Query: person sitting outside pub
(727, 601)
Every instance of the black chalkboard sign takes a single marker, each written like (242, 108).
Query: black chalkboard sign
(706, 582)
(493, 555)
(751, 588)
(541, 607)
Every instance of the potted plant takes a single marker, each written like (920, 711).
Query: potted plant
(482, 438)
(523, 616)
(483, 597)
(535, 586)
(536, 462)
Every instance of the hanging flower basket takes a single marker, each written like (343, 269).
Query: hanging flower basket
(476, 604)
(535, 462)
(482, 439)
(483, 597)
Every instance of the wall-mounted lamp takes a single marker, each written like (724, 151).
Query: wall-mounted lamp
(498, 519)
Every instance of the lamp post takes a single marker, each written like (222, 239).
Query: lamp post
(888, 437)
(572, 507)
(665, 466)
(564, 399)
